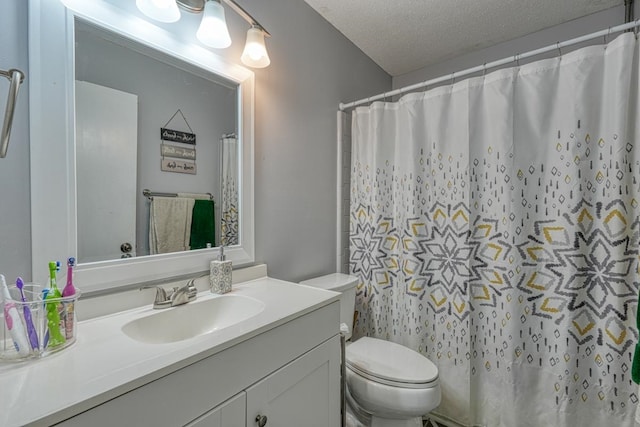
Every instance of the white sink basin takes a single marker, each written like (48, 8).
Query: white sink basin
(193, 319)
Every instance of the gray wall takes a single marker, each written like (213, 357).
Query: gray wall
(313, 69)
(15, 206)
(162, 89)
(546, 37)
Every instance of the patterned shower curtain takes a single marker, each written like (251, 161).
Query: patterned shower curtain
(229, 203)
(494, 229)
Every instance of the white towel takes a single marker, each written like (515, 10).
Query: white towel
(170, 224)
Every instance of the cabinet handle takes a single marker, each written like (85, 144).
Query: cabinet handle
(261, 420)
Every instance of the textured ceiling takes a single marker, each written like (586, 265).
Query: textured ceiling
(405, 35)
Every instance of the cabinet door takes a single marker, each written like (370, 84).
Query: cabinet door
(305, 392)
(230, 414)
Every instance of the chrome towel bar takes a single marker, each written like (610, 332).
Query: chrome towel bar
(150, 194)
(16, 77)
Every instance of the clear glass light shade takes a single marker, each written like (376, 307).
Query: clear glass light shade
(213, 30)
(159, 10)
(255, 52)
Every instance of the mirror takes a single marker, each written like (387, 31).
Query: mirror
(113, 52)
(121, 150)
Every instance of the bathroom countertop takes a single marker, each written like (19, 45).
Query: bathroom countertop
(105, 363)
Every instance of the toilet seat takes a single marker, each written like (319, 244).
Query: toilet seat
(391, 364)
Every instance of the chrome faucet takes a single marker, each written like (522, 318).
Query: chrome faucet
(177, 296)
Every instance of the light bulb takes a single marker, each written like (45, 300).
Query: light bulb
(255, 52)
(213, 30)
(159, 10)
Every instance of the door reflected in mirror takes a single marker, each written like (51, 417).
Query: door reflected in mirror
(125, 93)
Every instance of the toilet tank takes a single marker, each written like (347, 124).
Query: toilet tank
(346, 285)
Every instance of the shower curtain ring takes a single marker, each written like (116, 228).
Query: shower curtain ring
(606, 37)
(484, 69)
(559, 49)
(453, 78)
(517, 59)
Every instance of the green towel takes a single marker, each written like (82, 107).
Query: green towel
(203, 228)
(635, 368)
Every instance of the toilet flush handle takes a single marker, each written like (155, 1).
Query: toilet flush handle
(261, 420)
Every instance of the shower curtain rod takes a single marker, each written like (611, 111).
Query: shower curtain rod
(515, 58)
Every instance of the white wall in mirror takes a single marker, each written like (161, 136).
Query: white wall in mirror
(106, 167)
(53, 177)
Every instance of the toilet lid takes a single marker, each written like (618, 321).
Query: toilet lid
(388, 362)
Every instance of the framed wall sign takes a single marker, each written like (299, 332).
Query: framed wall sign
(178, 166)
(168, 150)
(177, 136)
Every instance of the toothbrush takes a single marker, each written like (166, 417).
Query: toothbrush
(45, 340)
(12, 320)
(33, 335)
(69, 291)
(53, 315)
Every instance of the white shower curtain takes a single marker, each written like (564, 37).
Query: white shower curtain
(494, 228)
(229, 202)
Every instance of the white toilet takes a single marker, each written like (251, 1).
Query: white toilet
(388, 385)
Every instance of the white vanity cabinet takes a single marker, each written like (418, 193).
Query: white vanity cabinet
(306, 392)
(303, 393)
(289, 374)
(230, 414)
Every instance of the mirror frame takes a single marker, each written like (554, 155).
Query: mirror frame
(52, 144)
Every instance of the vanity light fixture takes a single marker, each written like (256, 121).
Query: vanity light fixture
(213, 31)
(255, 52)
(159, 10)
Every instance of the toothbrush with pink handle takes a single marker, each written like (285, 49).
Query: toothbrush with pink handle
(31, 330)
(69, 291)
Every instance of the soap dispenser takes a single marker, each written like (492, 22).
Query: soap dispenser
(220, 274)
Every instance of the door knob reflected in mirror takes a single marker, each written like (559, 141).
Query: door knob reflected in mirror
(261, 420)
(126, 249)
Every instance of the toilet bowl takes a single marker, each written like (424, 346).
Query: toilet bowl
(388, 385)
(392, 383)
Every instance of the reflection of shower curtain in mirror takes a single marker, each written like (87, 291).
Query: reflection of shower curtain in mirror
(229, 206)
